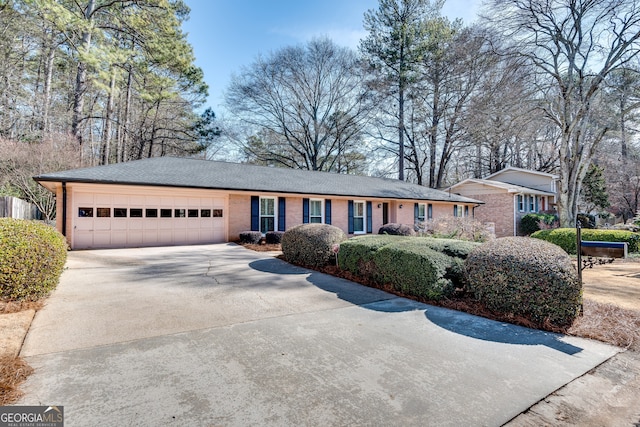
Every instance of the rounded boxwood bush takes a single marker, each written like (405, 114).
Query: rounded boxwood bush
(311, 245)
(32, 257)
(393, 229)
(273, 237)
(526, 277)
(250, 237)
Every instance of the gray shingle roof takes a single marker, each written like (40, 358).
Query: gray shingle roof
(193, 173)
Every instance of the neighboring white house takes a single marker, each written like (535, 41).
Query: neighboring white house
(509, 195)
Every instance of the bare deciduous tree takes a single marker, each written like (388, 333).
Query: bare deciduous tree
(304, 107)
(575, 45)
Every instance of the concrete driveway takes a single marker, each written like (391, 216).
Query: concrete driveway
(219, 335)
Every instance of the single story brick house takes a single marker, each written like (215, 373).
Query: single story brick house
(178, 201)
(508, 195)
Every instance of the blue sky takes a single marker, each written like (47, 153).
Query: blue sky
(229, 34)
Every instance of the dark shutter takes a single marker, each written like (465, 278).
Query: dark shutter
(327, 211)
(466, 211)
(429, 211)
(282, 214)
(369, 217)
(455, 210)
(416, 212)
(305, 211)
(255, 213)
(350, 213)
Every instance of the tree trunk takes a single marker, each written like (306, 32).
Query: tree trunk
(433, 132)
(106, 136)
(81, 79)
(623, 128)
(124, 140)
(401, 131)
(46, 101)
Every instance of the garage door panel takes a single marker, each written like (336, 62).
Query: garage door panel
(107, 220)
(134, 238)
(118, 239)
(101, 239)
(84, 239)
(150, 224)
(119, 224)
(150, 236)
(102, 224)
(179, 236)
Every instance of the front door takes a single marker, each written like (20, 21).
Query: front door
(385, 213)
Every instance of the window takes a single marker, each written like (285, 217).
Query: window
(458, 211)
(165, 213)
(358, 217)
(135, 213)
(205, 213)
(103, 212)
(217, 213)
(267, 214)
(421, 212)
(120, 212)
(192, 213)
(520, 202)
(315, 211)
(151, 213)
(179, 213)
(85, 212)
(532, 204)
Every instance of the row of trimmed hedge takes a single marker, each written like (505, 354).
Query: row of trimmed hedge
(516, 276)
(420, 266)
(566, 237)
(32, 257)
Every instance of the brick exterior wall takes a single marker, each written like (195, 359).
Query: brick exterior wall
(498, 208)
(240, 212)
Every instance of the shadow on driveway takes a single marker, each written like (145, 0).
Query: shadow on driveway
(451, 320)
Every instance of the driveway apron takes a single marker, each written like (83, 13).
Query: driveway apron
(220, 335)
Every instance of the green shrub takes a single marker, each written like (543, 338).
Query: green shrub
(311, 245)
(250, 237)
(526, 277)
(530, 223)
(273, 237)
(566, 237)
(32, 257)
(393, 229)
(455, 248)
(357, 251)
(418, 266)
(586, 220)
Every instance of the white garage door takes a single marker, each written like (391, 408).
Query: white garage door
(121, 221)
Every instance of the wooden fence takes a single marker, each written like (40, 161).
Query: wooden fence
(12, 207)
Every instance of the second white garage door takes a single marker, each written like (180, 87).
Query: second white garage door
(134, 220)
